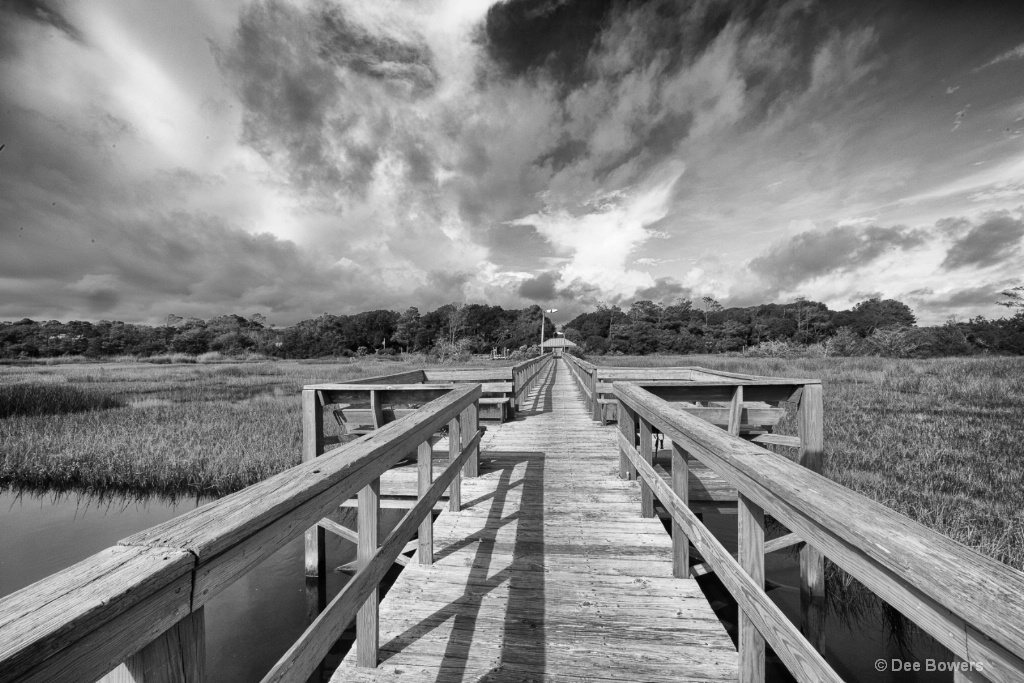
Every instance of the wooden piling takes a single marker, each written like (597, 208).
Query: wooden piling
(681, 487)
(750, 546)
(367, 630)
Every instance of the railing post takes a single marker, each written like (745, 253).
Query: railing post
(628, 430)
(316, 536)
(812, 562)
(646, 452)
(472, 424)
(736, 411)
(751, 558)
(367, 631)
(178, 655)
(596, 412)
(425, 476)
(454, 451)
(681, 487)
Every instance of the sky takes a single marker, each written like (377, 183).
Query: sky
(296, 157)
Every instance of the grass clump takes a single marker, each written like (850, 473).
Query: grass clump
(52, 399)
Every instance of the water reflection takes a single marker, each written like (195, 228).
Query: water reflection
(249, 625)
(858, 627)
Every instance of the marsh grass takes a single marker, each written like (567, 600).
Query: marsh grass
(195, 429)
(938, 440)
(52, 399)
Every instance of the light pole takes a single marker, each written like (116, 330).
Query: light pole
(550, 310)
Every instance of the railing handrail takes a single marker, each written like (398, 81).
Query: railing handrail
(971, 604)
(85, 620)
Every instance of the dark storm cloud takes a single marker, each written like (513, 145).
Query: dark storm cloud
(665, 290)
(46, 12)
(971, 298)
(540, 288)
(306, 76)
(994, 240)
(840, 249)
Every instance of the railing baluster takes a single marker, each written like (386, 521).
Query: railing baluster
(367, 631)
(472, 422)
(315, 536)
(178, 655)
(681, 487)
(646, 452)
(751, 558)
(812, 561)
(626, 416)
(454, 450)
(425, 475)
(736, 411)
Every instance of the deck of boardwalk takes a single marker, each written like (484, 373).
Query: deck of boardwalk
(548, 573)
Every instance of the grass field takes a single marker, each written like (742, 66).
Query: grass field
(937, 440)
(139, 428)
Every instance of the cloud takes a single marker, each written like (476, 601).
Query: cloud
(540, 288)
(844, 248)
(994, 240)
(599, 235)
(1011, 54)
(43, 12)
(665, 290)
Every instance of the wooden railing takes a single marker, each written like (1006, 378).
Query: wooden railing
(525, 376)
(142, 602)
(971, 604)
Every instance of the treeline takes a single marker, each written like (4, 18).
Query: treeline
(884, 327)
(451, 329)
(876, 326)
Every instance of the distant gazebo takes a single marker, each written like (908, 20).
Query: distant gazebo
(558, 345)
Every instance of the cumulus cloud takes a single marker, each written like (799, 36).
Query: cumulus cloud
(994, 240)
(540, 288)
(843, 248)
(395, 154)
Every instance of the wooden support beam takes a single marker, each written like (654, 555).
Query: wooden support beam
(681, 487)
(377, 409)
(424, 477)
(454, 451)
(470, 425)
(736, 411)
(176, 656)
(781, 543)
(628, 432)
(315, 536)
(810, 427)
(750, 544)
(367, 627)
(647, 453)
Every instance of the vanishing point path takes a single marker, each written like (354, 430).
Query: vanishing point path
(548, 573)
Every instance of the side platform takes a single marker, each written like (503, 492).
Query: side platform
(548, 573)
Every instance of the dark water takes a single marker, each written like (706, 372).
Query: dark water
(860, 629)
(253, 622)
(249, 626)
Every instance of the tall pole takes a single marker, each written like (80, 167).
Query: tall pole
(542, 312)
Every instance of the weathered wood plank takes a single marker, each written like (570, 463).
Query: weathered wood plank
(547, 572)
(917, 570)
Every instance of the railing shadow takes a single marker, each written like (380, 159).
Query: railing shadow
(521, 649)
(540, 400)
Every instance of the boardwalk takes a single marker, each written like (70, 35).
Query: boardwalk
(548, 573)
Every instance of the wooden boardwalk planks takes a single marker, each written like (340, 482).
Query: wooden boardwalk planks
(549, 572)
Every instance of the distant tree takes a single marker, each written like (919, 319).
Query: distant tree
(873, 314)
(1015, 298)
(710, 306)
